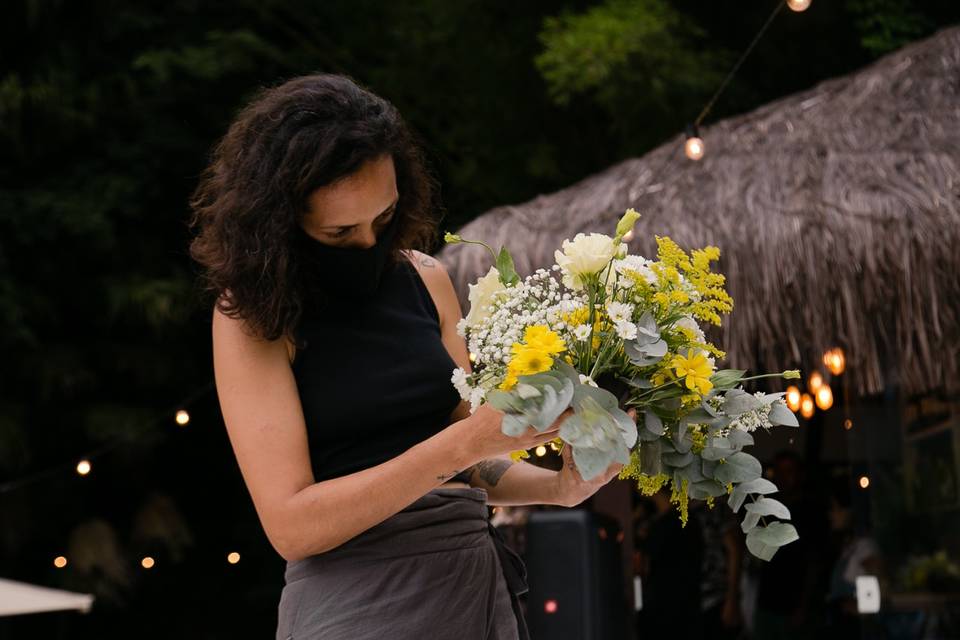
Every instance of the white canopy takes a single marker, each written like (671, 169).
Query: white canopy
(20, 597)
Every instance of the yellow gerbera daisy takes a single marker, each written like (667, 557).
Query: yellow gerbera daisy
(696, 369)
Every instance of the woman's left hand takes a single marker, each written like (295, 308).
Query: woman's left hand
(571, 488)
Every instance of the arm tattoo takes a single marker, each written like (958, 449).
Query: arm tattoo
(492, 470)
(444, 476)
(427, 261)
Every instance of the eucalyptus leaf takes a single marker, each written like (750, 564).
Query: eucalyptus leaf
(740, 467)
(763, 542)
(780, 414)
(703, 489)
(678, 459)
(737, 402)
(743, 489)
(768, 507)
(750, 520)
(739, 438)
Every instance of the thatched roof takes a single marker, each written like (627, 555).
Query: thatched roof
(837, 212)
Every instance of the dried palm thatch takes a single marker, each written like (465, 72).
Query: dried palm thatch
(837, 211)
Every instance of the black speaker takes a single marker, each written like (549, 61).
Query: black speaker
(573, 559)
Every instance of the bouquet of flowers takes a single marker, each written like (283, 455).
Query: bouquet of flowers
(602, 331)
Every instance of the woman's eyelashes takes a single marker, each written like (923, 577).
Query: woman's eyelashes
(343, 233)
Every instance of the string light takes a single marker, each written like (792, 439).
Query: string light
(835, 361)
(541, 451)
(147, 562)
(183, 417)
(806, 406)
(798, 5)
(83, 467)
(824, 397)
(864, 482)
(793, 398)
(473, 357)
(694, 147)
(59, 562)
(815, 381)
(233, 557)
(848, 424)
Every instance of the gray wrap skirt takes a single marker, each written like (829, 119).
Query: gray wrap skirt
(437, 569)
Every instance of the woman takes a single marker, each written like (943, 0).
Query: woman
(334, 339)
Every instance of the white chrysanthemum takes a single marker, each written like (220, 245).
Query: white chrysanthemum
(619, 311)
(587, 380)
(634, 263)
(626, 330)
(581, 331)
(481, 296)
(583, 256)
(459, 380)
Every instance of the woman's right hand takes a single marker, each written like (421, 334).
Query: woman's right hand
(484, 429)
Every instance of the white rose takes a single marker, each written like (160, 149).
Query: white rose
(583, 256)
(481, 295)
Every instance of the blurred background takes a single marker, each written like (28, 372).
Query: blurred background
(116, 476)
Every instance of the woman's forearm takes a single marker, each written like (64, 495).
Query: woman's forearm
(326, 514)
(510, 483)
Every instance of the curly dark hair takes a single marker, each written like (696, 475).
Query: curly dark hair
(290, 139)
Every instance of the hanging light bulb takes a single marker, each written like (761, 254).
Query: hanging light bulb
(798, 5)
(806, 406)
(182, 417)
(824, 397)
(864, 482)
(694, 147)
(848, 424)
(233, 557)
(147, 562)
(835, 361)
(793, 398)
(59, 562)
(83, 467)
(815, 381)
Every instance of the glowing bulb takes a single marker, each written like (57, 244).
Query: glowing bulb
(59, 562)
(550, 606)
(835, 361)
(694, 148)
(793, 398)
(541, 451)
(848, 424)
(824, 397)
(233, 557)
(806, 406)
(473, 357)
(798, 5)
(864, 482)
(815, 381)
(147, 562)
(83, 467)
(182, 417)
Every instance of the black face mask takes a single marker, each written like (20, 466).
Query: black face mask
(343, 272)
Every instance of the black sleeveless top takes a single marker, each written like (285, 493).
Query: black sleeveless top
(373, 376)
